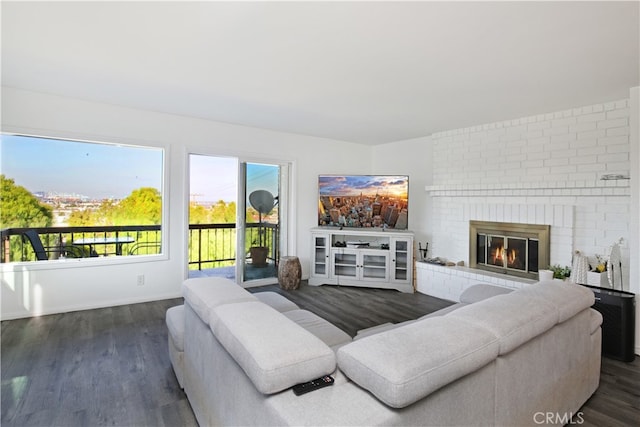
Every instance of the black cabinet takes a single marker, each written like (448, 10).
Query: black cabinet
(618, 322)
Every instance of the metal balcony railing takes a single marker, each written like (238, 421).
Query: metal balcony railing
(79, 242)
(210, 245)
(214, 245)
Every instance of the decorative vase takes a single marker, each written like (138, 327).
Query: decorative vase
(545, 275)
(595, 278)
(579, 268)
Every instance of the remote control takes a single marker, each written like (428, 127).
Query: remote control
(303, 388)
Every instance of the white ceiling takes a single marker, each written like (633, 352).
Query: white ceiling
(366, 72)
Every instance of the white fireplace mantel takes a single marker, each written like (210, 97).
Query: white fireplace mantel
(617, 187)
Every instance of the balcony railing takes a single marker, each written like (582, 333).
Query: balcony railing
(210, 245)
(214, 245)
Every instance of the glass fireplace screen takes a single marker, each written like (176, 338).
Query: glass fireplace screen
(508, 252)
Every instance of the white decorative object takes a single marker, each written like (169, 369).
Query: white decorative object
(580, 268)
(544, 275)
(614, 268)
(595, 278)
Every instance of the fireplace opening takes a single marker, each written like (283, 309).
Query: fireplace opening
(516, 249)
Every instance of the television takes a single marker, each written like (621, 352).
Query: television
(363, 201)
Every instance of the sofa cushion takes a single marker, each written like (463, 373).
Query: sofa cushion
(568, 298)
(513, 318)
(204, 293)
(175, 325)
(273, 351)
(276, 301)
(481, 292)
(405, 364)
(330, 334)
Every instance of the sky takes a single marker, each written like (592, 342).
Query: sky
(368, 185)
(215, 178)
(95, 170)
(101, 171)
(212, 178)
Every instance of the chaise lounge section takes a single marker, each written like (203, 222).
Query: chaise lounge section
(497, 357)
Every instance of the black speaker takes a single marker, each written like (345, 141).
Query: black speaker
(618, 322)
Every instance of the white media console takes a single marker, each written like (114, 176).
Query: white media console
(362, 257)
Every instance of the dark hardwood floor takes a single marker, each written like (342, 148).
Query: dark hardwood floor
(352, 309)
(107, 366)
(111, 366)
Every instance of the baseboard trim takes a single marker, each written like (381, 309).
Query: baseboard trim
(82, 307)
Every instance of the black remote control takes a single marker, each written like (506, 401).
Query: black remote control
(303, 388)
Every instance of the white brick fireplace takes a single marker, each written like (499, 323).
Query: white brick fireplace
(545, 169)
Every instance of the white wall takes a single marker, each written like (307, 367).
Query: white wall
(634, 245)
(41, 289)
(414, 158)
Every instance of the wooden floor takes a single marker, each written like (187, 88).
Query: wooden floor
(111, 366)
(99, 367)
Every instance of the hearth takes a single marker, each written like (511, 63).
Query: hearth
(509, 248)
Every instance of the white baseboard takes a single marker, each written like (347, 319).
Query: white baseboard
(81, 307)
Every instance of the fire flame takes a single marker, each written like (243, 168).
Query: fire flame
(500, 254)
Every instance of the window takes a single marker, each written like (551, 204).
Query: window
(77, 199)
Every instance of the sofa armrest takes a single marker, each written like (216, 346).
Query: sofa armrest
(596, 320)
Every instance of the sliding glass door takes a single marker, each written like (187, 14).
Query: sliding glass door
(237, 213)
(261, 220)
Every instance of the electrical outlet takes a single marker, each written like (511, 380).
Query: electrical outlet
(141, 280)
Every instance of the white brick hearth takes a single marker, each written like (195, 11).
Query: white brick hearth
(449, 282)
(544, 169)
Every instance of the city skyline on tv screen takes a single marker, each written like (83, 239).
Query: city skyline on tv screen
(363, 201)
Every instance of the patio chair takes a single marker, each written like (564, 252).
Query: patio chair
(42, 253)
(149, 248)
(36, 244)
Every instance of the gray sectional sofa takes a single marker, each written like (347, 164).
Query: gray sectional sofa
(495, 358)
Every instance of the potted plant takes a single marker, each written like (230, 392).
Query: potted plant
(258, 254)
(560, 272)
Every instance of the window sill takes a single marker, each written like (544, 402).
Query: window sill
(79, 263)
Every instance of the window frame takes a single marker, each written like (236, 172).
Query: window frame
(101, 261)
